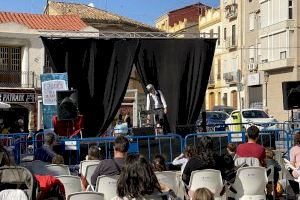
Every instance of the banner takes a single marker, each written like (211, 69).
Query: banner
(50, 84)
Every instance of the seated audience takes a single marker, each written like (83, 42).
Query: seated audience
(46, 153)
(203, 194)
(58, 160)
(93, 153)
(4, 156)
(137, 179)
(270, 161)
(231, 149)
(205, 159)
(183, 158)
(113, 166)
(251, 148)
(295, 162)
(159, 163)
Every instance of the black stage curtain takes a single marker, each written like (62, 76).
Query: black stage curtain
(180, 68)
(99, 70)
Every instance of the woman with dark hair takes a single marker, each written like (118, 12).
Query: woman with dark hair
(203, 160)
(137, 179)
(159, 163)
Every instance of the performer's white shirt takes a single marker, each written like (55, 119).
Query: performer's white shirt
(155, 98)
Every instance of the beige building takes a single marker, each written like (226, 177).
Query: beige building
(278, 55)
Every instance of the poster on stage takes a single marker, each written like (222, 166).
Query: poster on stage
(51, 83)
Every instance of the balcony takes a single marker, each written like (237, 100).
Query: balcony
(211, 82)
(231, 11)
(231, 77)
(17, 79)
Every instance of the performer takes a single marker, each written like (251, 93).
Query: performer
(156, 102)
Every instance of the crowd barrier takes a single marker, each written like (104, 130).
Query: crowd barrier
(24, 145)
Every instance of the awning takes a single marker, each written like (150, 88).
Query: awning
(4, 105)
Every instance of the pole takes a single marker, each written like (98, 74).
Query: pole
(266, 94)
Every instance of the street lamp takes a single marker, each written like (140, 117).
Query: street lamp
(266, 76)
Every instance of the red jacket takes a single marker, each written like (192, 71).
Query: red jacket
(47, 183)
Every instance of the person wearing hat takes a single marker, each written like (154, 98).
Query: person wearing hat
(156, 102)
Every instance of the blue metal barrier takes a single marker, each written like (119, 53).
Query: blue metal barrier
(220, 137)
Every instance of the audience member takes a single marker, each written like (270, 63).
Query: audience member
(183, 158)
(231, 149)
(93, 153)
(46, 153)
(251, 148)
(113, 166)
(203, 194)
(270, 161)
(203, 160)
(137, 179)
(295, 162)
(3, 129)
(4, 156)
(58, 160)
(159, 163)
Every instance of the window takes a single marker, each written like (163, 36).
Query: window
(251, 21)
(251, 54)
(282, 55)
(233, 36)
(10, 59)
(290, 9)
(219, 32)
(225, 99)
(219, 70)
(225, 33)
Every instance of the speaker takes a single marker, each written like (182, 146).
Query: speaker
(67, 105)
(143, 131)
(291, 95)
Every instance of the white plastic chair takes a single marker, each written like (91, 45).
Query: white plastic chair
(85, 163)
(107, 185)
(250, 183)
(72, 184)
(209, 178)
(13, 194)
(86, 196)
(57, 170)
(89, 171)
(250, 161)
(168, 178)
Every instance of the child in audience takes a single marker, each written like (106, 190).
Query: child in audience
(159, 163)
(203, 194)
(58, 159)
(183, 158)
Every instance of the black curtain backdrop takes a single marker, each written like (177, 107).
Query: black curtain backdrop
(180, 68)
(99, 70)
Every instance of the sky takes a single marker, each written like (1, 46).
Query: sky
(146, 11)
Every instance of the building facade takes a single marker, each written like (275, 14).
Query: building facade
(278, 55)
(23, 59)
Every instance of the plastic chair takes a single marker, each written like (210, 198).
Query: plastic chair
(250, 183)
(107, 185)
(13, 194)
(168, 178)
(209, 178)
(85, 163)
(86, 196)
(72, 184)
(89, 171)
(249, 161)
(57, 170)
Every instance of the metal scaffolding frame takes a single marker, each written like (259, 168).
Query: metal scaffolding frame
(109, 35)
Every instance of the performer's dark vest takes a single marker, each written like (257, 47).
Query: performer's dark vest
(152, 102)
